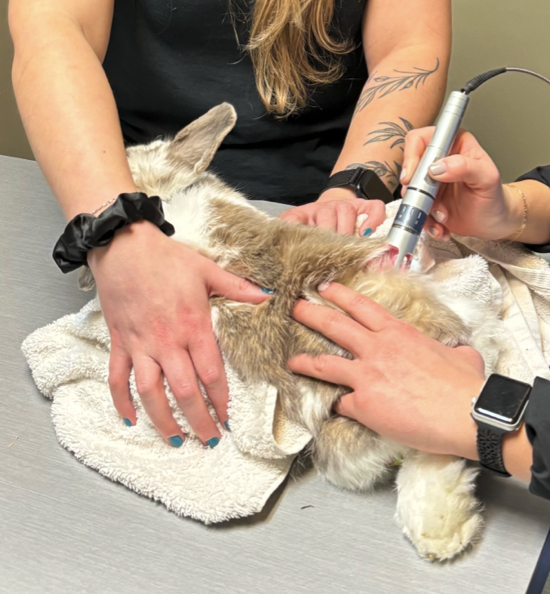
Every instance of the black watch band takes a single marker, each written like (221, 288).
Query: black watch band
(498, 410)
(365, 182)
(489, 449)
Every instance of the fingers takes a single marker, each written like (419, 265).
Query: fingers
(332, 324)
(207, 361)
(327, 218)
(150, 387)
(367, 312)
(376, 211)
(223, 283)
(476, 173)
(294, 215)
(328, 368)
(346, 406)
(120, 366)
(416, 142)
(346, 214)
(182, 380)
(436, 229)
(466, 152)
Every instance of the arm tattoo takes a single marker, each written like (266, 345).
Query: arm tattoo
(384, 85)
(393, 131)
(382, 170)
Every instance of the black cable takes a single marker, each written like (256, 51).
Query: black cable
(477, 81)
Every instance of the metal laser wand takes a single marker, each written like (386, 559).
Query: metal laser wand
(420, 194)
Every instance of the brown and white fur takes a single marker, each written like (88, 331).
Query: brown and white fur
(436, 505)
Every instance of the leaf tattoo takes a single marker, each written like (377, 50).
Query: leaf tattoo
(392, 131)
(385, 170)
(384, 85)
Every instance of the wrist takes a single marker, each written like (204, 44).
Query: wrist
(517, 453)
(124, 243)
(464, 442)
(515, 210)
(345, 193)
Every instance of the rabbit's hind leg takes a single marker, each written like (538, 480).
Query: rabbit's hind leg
(351, 456)
(436, 505)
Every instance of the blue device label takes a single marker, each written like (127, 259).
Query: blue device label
(410, 218)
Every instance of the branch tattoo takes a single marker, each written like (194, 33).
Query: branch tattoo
(384, 85)
(382, 169)
(392, 131)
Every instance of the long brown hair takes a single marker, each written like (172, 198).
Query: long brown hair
(293, 49)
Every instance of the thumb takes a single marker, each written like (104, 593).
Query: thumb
(345, 406)
(476, 173)
(223, 283)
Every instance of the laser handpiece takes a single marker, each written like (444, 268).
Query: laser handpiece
(421, 192)
(422, 189)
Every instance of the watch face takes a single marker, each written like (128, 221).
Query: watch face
(502, 399)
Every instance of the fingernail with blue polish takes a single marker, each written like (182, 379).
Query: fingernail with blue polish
(268, 291)
(226, 425)
(367, 232)
(213, 442)
(127, 422)
(175, 441)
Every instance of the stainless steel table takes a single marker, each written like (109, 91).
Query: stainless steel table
(66, 529)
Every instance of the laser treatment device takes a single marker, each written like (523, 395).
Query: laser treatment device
(422, 189)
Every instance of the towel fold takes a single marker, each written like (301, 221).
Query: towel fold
(69, 362)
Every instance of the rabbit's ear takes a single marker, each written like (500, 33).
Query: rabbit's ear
(194, 146)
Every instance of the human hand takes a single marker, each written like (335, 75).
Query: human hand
(406, 387)
(472, 201)
(154, 294)
(336, 212)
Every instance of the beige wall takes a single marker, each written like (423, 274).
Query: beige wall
(510, 115)
(13, 141)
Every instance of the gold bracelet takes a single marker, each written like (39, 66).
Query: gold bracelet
(525, 211)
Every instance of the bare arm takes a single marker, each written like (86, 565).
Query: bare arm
(65, 99)
(407, 48)
(154, 291)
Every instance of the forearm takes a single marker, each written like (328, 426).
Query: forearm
(69, 114)
(537, 196)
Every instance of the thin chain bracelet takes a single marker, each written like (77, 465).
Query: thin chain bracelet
(525, 211)
(103, 206)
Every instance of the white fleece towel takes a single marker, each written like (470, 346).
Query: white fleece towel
(69, 363)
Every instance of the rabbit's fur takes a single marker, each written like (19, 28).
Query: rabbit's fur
(436, 505)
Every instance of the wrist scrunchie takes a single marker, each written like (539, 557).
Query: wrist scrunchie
(86, 232)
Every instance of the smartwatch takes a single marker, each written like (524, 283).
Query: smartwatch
(365, 182)
(498, 410)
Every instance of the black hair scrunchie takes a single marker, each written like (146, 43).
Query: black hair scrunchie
(86, 232)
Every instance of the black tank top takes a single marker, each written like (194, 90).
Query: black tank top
(169, 61)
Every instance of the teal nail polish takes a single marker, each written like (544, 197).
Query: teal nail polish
(127, 422)
(367, 232)
(226, 425)
(268, 291)
(175, 441)
(213, 442)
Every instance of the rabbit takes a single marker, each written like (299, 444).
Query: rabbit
(436, 507)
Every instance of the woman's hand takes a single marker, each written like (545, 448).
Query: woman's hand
(336, 212)
(406, 387)
(472, 200)
(154, 293)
